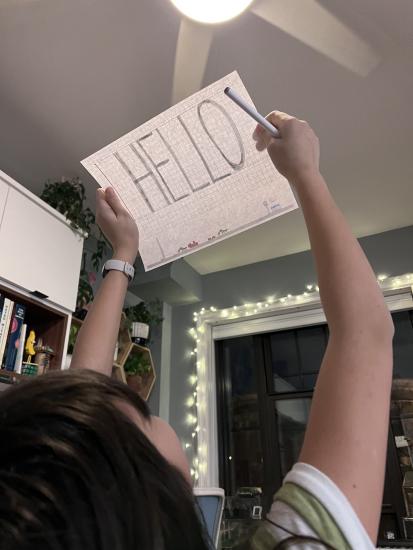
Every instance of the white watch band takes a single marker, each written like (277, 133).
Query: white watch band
(119, 265)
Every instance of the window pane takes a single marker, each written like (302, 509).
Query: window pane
(296, 357)
(285, 364)
(291, 418)
(403, 344)
(244, 459)
(311, 347)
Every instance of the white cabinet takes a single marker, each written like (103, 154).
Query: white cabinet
(4, 189)
(39, 252)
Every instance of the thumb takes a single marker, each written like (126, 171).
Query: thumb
(114, 201)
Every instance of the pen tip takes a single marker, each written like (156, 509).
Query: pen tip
(227, 89)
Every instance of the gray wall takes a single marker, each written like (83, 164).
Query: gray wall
(390, 252)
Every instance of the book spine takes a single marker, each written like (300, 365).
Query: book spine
(4, 325)
(8, 328)
(14, 334)
(20, 351)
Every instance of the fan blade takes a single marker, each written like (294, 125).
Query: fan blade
(311, 23)
(192, 49)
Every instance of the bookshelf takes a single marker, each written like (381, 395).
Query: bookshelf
(49, 323)
(39, 268)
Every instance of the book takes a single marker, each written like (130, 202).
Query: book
(4, 325)
(20, 350)
(14, 335)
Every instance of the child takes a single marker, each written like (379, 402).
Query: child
(84, 466)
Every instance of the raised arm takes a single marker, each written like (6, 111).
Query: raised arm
(346, 437)
(96, 341)
(97, 338)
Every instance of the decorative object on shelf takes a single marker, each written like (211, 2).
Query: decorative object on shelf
(29, 369)
(143, 318)
(140, 333)
(44, 353)
(20, 349)
(68, 197)
(29, 348)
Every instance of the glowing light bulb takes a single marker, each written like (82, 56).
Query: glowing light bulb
(211, 11)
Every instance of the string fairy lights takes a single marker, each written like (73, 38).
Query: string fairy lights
(197, 397)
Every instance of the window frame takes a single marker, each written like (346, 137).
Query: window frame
(215, 325)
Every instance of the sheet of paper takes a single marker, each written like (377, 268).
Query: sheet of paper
(191, 176)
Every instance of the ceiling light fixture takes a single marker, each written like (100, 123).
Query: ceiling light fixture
(211, 11)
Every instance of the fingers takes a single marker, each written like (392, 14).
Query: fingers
(262, 137)
(103, 210)
(278, 118)
(114, 201)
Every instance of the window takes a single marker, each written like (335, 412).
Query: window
(241, 460)
(265, 384)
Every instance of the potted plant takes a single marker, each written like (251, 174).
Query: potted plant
(142, 318)
(68, 198)
(136, 367)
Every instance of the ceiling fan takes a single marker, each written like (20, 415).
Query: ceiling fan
(305, 20)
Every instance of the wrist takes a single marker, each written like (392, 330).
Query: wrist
(311, 178)
(124, 256)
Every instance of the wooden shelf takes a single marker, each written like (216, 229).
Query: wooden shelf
(143, 386)
(9, 377)
(48, 323)
(126, 349)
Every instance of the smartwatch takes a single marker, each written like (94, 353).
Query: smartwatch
(119, 265)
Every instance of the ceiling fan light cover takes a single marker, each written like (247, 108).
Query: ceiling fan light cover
(211, 11)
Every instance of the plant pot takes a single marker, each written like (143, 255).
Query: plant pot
(134, 382)
(140, 333)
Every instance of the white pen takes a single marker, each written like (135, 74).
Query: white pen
(252, 112)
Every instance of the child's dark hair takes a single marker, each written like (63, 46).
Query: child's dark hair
(76, 473)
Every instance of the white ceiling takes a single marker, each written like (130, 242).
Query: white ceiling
(76, 74)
